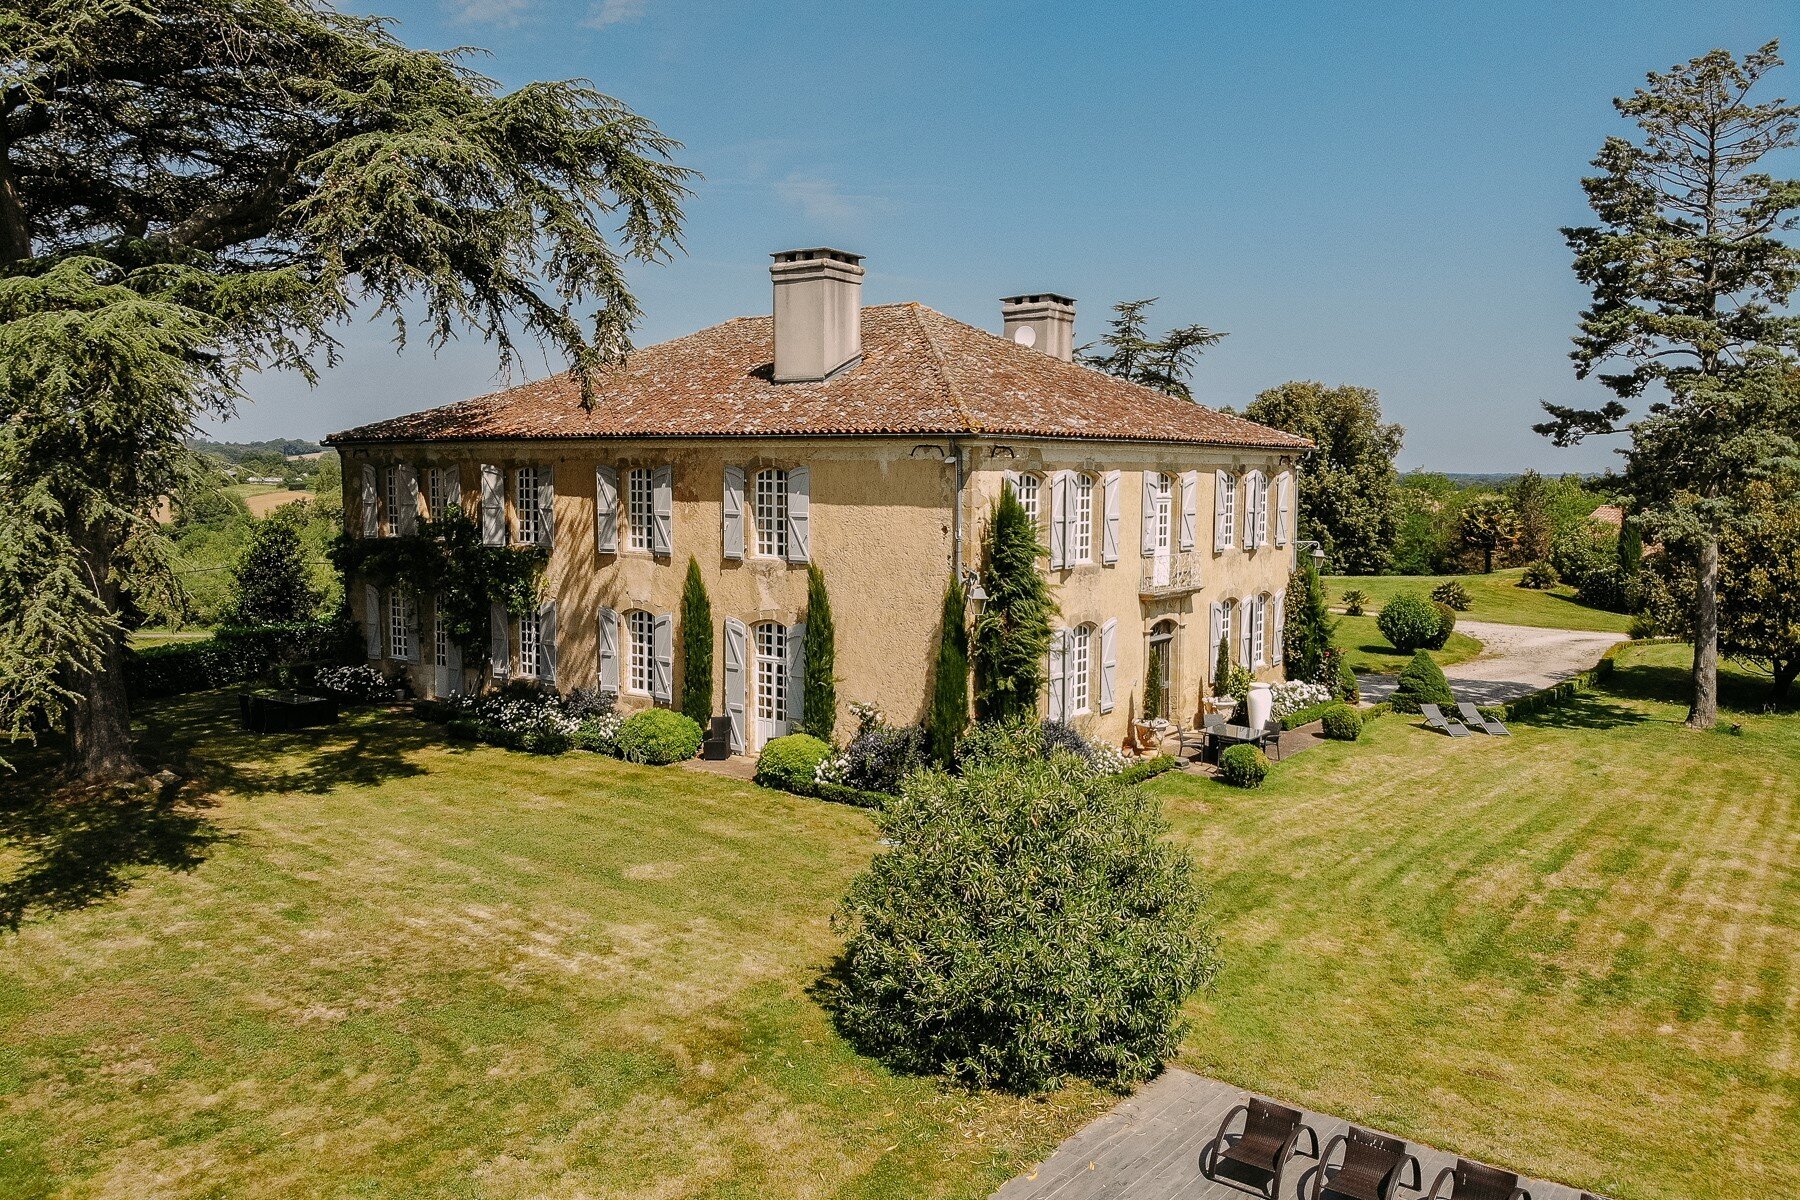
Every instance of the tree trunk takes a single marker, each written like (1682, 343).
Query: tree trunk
(1704, 712)
(1487, 560)
(100, 721)
(1786, 669)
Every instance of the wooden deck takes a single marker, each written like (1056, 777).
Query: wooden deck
(1148, 1148)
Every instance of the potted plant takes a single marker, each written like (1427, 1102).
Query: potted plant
(1221, 701)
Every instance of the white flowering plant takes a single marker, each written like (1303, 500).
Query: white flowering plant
(360, 682)
(1294, 695)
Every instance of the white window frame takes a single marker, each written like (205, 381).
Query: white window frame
(437, 495)
(527, 514)
(440, 637)
(640, 652)
(769, 512)
(1081, 531)
(1078, 670)
(390, 491)
(400, 624)
(1031, 489)
(1259, 642)
(1228, 512)
(769, 680)
(531, 645)
(1162, 487)
(640, 510)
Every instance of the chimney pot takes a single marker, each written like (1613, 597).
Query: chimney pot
(1042, 321)
(818, 312)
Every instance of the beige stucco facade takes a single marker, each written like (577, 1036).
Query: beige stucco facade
(887, 520)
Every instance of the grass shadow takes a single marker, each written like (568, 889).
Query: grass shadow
(82, 846)
(1588, 710)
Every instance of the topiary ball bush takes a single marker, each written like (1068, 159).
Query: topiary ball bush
(1446, 626)
(1028, 922)
(1538, 575)
(1422, 682)
(790, 763)
(1243, 766)
(1408, 621)
(1341, 723)
(544, 741)
(657, 737)
(1452, 593)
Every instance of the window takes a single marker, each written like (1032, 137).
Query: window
(1161, 487)
(771, 673)
(525, 503)
(1256, 510)
(400, 624)
(531, 646)
(639, 511)
(391, 488)
(771, 511)
(1079, 667)
(1227, 509)
(1258, 642)
(1081, 532)
(437, 490)
(640, 627)
(1245, 610)
(440, 637)
(1028, 497)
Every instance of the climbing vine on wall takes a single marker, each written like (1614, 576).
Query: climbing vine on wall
(447, 559)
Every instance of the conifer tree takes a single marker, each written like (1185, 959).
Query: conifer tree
(950, 683)
(1164, 363)
(820, 652)
(696, 647)
(1310, 625)
(270, 583)
(1012, 632)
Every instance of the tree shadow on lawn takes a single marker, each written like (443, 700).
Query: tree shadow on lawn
(83, 846)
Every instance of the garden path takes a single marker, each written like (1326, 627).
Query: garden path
(1515, 660)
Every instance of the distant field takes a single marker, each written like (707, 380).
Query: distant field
(264, 498)
(144, 638)
(1497, 597)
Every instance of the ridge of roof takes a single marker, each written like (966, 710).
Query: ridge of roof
(938, 362)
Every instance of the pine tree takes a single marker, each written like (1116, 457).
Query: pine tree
(1310, 626)
(1689, 278)
(1012, 632)
(950, 683)
(270, 582)
(1163, 363)
(696, 648)
(820, 652)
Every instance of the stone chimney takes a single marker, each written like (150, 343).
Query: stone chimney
(1042, 321)
(818, 313)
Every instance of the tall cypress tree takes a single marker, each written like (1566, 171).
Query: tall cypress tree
(950, 687)
(696, 647)
(820, 651)
(1012, 634)
(1310, 625)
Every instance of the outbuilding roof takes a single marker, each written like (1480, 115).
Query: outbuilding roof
(921, 373)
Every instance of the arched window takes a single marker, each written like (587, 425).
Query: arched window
(770, 508)
(1080, 670)
(640, 651)
(1081, 531)
(1029, 486)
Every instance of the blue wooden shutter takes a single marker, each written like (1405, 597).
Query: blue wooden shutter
(799, 514)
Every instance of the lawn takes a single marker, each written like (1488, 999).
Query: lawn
(1496, 597)
(382, 966)
(1367, 651)
(1576, 952)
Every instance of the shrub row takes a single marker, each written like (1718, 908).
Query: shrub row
(236, 655)
(1568, 689)
(1150, 768)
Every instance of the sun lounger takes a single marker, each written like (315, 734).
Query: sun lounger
(1435, 719)
(1474, 718)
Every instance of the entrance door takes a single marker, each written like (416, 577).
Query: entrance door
(771, 682)
(1164, 518)
(446, 659)
(1159, 675)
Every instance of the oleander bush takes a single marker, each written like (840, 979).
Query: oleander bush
(791, 763)
(1243, 766)
(1421, 682)
(658, 737)
(880, 756)
(1409, 622)
(1340, 723)
(1028, 922)
(1451, 592)
(1025, 739)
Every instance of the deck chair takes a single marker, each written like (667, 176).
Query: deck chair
(1372, 1169)
(1271, 1137)
(1472, 1181)
(1435, 719)
(1474, 718)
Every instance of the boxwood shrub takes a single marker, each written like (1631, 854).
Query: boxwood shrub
(1421, 682)
(1243, 766)
(790, 763)
(1341, 724)
(1409, 622)
(1150, 768)
(658, 736)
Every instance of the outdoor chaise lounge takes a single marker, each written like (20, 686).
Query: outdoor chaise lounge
(1473, 1181)
(1435, 719)
(1474, 718)
(1372, 1168)
(1271, 1137)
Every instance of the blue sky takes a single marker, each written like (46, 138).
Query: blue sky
(1357, 193)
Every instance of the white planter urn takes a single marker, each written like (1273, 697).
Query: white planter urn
(1259, 705)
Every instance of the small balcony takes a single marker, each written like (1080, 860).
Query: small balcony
(1178, 580)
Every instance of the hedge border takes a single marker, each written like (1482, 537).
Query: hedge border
(1575, 685)
(1150, 768)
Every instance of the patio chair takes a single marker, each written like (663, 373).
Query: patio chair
(1271, 1136)
(1270, 741)
(1473, 1181)
(1372, 1168)
(1435, 719)
(1474, 718)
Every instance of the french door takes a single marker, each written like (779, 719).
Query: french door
(771, 682)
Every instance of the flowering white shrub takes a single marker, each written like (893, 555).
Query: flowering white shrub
(831, 769)
(599, 732)
(868, 716)
(361, 682)
(1106, 759)
(1292, 696)
(518, 712)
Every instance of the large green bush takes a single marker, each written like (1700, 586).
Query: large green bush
(1408, 621)
(791, 763)
(1243, 766)
(233, 656)
(1421, 682)
(1028, 922)
(1446, 626)
(1340, 723)
(658, 736)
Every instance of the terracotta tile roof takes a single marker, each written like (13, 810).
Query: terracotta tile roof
(1608, 514)
(921, 373)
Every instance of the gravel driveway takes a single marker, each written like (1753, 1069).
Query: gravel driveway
(1515, 660)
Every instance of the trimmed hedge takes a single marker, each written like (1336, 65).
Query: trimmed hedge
(1150, 768)
(234, 655)
(843, 793)
(790, 762)
(1573, 686)
(1341, 724)
(1410, 622)
(658, 737)
(1422, 682)
(1243, 766)
(1309, 714)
